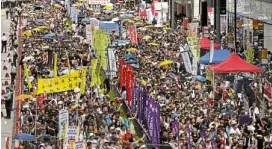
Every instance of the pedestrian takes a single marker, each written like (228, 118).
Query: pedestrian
(154, 22)
(13, 72)
(7, 13)
(8, 102)
(4, 40)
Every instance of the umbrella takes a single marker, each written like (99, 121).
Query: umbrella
(167, 28)
(139, 36)
(200, 78)
(128, 20)
(166, 62)
(25, 137)
(132, 50)
(153, 44)
(42, 27)
(23, 96)
(150, 26)
(27, 33)
(86, 20)
(131, 62)
(47, 36)
(37, 29)
(57, 6)
(139, 24)
(108, 7)
(147, 37)
(129, 56)
(126, 16)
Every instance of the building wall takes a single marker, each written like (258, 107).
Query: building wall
(268, 37)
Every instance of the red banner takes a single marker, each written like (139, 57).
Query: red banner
(267, 89)
(133, 34)
(122, 74)
(129, 82)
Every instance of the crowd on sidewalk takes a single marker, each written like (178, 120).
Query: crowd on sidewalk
(208, 116)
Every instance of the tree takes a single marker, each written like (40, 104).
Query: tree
(250, 55)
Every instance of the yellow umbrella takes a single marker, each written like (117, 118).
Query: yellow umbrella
(150, 26)
(57, 6)
(42, 27)
(147, 37)
(166, 62)
(133, 50)
(37, 29)
(153, 44)
(108, 7)
(23, 96)
(27, 33)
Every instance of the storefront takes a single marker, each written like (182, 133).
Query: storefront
(254, 22)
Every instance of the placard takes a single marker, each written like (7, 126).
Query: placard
(79, 145)
(101, 2)
(63, 122)
(71, 133)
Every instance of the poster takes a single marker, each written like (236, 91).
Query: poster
(74, 14)
(71, 133)
(63, 123)
(133, 34)
(101, 2)
(58, 84)
(27, 76)
(80, 145)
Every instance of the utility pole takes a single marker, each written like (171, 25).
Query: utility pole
(235, 24)
(218, 22)
(172, 14)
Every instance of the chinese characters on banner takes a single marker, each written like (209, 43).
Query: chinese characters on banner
(133, 34)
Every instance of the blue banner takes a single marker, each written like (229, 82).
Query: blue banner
(74, 14)
(109, 27)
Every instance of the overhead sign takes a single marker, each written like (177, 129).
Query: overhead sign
(101, 2)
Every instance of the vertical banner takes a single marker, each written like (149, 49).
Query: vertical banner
(63, 123)
(71, 133)
(129, 82)
(149, 16)
(89, 35)
(27, 76)
(74, 14)
(211, 50)
(83, 80)
(55, 72)
(194, 66)
(186, 59)
(95, 76)
(112, 63)
(133, 34)
(122, 67)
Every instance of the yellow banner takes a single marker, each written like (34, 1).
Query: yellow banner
(195, 49)
(83, 80)
(101, 42)
(209, 75)
(55, 72)
(59, 84)
(27, 76)
(95, 74)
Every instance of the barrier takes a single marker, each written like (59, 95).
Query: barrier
(267, 89)
(18, 86)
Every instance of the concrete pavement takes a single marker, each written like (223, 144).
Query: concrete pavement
(6, 58)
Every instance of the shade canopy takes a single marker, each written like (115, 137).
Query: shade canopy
(205, 44)
(219, 56)
(234, 64)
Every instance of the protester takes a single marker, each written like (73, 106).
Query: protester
(4, 40)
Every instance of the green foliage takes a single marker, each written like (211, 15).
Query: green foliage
(250, 55)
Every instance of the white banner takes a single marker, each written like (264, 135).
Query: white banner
(101, 2)
(63, 121)
(79, 145)
(186, 59)
(89, 35)
(194, 66)
(211, 51)
(71, 133)
(112, 62)
(149, 16)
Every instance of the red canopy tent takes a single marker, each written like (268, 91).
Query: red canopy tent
(144, 14)
(205, 44)
(234, 64)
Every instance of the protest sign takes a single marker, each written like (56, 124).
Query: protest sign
(63, 123)
(80, 145)
(71, 132)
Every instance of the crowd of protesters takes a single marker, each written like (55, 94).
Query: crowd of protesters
(212, 114)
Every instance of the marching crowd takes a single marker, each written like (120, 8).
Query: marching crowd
(206, 120)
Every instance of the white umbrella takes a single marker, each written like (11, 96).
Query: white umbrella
(76, 90)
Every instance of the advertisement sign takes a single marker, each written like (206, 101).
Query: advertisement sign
(133, 34)
(100, 2)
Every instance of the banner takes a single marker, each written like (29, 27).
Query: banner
(68, 6)
(101, 42)
(121, 69)
(195, 49)
(71, 133)
(109, 27)
(55, 71)
(83, 79)
(101, 2)
(89, 35)
(133, 34)
(27, 76)
(63, 123)
(112, 63)
(209, 75)
(186, 59)
(95, 73)
(74, 14)
(68, 64)
(129, 82)
(194, 66)
(58, 84)
(267, 89)
(79, 145)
